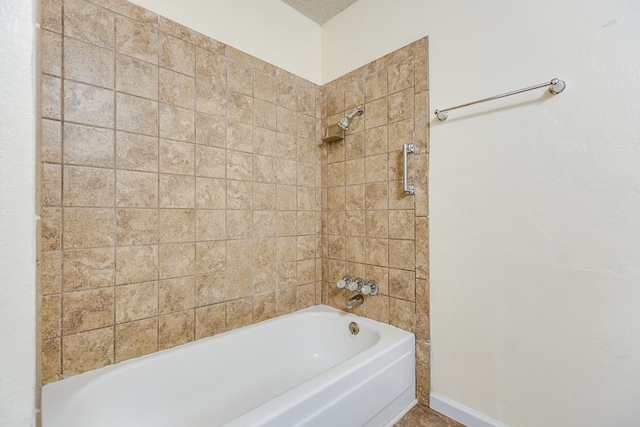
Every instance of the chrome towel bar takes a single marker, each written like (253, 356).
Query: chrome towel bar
(555, 87)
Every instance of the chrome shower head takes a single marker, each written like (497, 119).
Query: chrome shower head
(346, 121)
(343, 124)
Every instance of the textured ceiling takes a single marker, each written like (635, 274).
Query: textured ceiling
(320, 10)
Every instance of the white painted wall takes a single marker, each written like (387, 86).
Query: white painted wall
(367, 30)
(267, 29)
(17, 214)
(535, 211)
(535, 202)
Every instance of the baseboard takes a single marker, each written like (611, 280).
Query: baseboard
(461, 414)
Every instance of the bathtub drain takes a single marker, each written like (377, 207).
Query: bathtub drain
(354, 328)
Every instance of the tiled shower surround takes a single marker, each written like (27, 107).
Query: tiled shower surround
(371, 229)
(180, 187)
(185, 191)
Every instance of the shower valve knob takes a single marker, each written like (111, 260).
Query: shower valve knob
(371, 288)
(344, 283)
(356, 284)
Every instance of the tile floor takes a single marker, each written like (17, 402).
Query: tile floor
(423, 416)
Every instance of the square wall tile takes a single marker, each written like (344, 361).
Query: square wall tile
(136, 264)
(211, 68)
(87, 310)
(210, 224)
(51, 144)
(51, 190)
(210, 161)
(136, 226)
(137, 39)
(51, 361)
(211, 256)
(240, 107)
(401, 76)
(177, 157)
(88, 146)
(210, 193)
(136, 152)
(51, 52)
(239, 136)
(88, 105)
(177, 191)
(89, 23)
(136, 115)
(265, 87)
(177, 225)
(176, 259)
(136, 77)
(51, 103)
(239, 313)
(51, 15)
(239, 78)
(211, 130)
(177, 89)
(136, 339)
(176, 294)
(210, 320)
(136, 301)
(175, 329)
(177, 55)
(51, 272)
(88, 63)
(88, 227)
(136, 189)
(87, 351)
(375, 85)
(210, 289)
(51, 312)
(177, 123)
(88, 187)
(88, 269)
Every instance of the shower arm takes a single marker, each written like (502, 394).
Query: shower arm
(357, 112)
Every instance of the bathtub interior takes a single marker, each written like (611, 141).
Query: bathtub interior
(197, 384)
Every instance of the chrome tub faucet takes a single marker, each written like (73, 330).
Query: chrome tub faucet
(354, 301)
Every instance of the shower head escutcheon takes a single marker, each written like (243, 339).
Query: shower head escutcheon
(346, 121)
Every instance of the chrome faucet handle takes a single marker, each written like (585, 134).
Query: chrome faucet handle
(346, 280)
(370, 288)
(356, 284)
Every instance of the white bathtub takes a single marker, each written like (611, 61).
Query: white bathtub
(302, 369)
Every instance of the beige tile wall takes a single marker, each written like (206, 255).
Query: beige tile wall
(371, 229)
(180, 186)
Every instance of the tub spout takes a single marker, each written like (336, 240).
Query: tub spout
(354, 301)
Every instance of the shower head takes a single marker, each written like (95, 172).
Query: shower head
(346, 121)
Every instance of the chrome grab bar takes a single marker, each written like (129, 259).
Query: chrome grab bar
(407, 149)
